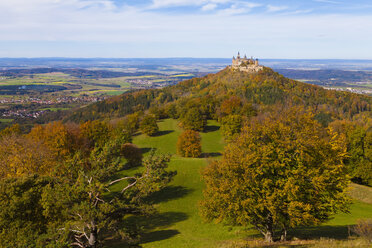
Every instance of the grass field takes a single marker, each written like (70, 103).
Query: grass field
(178, 224)
(6, 120)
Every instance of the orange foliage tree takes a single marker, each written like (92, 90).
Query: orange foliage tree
(189, 144)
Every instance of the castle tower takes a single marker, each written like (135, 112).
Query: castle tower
(256, 62)
(238, 57)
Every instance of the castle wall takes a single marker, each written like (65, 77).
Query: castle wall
(246, 65)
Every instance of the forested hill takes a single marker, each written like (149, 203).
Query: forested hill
(256, 92)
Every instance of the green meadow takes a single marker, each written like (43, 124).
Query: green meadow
(178, 223)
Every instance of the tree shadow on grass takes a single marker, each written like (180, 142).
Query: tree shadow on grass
(147, 149)
(211, 154)
(161, 133)
(316, 232)
(150, 224)
(158, 235)
(208, 129)
(306, 233)
(168, 193)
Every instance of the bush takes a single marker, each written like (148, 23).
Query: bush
(189, 144)
(132, 154)
(363, 228)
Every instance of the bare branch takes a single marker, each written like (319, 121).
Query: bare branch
(121, 179)
(129, 186)
(78, 244)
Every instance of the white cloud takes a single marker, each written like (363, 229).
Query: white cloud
(273, 8)
(209, 6)
(238, 8)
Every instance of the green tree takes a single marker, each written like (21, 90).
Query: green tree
(231, 125)
(132, 154)
(280, 173)
(189, 144)
(76, 210)
(148, 125)
(193, 120)
(89, 216)
(21, 215)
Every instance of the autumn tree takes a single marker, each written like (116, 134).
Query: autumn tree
(148, 125)
(359, 146)
(231, 105)
(54, 135)
(189, 144)
(21, 156)
(96, 132)
(280, 173)
(12, 130)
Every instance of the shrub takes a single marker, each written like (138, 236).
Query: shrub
(363, 228)
(189, 144)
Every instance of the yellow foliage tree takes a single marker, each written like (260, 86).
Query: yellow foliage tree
(23, 156)
(280, 173)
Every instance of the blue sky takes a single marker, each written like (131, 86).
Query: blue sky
(299, 29)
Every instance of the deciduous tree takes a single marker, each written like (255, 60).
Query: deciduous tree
(193, 120)
(281, 172)
(148, 125)
(189, 144)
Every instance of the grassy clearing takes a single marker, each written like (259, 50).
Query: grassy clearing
(361, 193)
(6, 120)
(54, 109)
(178, 224)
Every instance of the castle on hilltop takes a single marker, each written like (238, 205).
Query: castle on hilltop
(245, 64)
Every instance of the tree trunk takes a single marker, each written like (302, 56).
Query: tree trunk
(93, 237)
(268, 236)
(283, 237)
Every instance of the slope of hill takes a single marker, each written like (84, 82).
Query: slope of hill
(262, 90)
